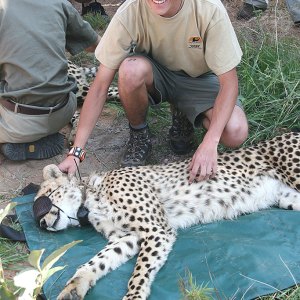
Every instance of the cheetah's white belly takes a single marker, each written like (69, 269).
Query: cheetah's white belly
(218, 205)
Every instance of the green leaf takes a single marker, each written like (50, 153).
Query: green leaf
(5, 293)
(1, 272)
(6, 210)
(55, 256)
(35, 258)
(51, 272)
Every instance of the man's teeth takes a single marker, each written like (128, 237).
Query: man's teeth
(159, 1)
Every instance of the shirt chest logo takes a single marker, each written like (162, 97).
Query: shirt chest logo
(195, 42)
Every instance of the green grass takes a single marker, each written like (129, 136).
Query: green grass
(116, 106)
(159, 117)
(270, 85)
(289, 294)
(98, 22)
(11, 254)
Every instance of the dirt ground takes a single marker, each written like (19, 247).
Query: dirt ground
(106, 145)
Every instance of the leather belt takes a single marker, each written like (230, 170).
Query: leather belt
(31, 110)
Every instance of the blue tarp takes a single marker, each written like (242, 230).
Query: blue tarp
(242, 259)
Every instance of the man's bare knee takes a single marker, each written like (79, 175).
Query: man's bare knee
(134, 72)
(236, 130)
(235, 135)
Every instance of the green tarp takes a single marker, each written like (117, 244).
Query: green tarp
(242, 259)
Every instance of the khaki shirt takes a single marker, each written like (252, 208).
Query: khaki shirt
(199, 38)
(33, 37)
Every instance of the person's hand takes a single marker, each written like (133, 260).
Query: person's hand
(69, 166)
(204, 162)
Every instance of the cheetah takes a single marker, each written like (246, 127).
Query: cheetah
(83, 76)
(139, 209)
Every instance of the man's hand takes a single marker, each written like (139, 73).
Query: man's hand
(204, 162)
(69, 166)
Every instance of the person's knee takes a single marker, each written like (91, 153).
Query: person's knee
(133, 72)
(235, 134)
(236, 129)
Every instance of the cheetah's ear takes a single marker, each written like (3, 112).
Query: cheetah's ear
(51, 171)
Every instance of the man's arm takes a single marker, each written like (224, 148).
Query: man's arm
(90, 113)
(204, 161)
(93, 47)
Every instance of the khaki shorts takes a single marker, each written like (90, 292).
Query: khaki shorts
(190, 95)
(21, 128)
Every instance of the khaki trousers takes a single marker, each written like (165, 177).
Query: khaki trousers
(21, 128)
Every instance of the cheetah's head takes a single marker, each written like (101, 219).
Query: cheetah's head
(57, 201)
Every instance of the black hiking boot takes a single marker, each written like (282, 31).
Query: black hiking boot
(181, 134)
(248, 11)
(138, 148)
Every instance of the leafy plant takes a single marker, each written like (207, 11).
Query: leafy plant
(29, 282)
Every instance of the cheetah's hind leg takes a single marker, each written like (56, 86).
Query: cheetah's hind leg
(288, 198)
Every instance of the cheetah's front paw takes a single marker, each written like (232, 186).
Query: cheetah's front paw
(74, 290)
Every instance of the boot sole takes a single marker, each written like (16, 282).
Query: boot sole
(43, 148)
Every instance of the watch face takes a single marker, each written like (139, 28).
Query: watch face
(77, 152)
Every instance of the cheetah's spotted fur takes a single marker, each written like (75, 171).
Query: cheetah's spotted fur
(139, 209)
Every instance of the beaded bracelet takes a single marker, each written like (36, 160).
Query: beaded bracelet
(77, 152)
